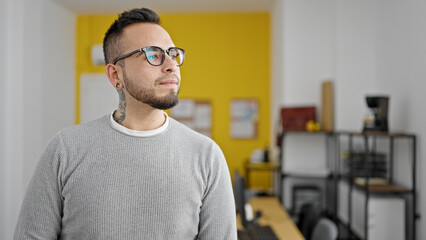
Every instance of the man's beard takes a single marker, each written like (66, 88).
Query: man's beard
(147, 96)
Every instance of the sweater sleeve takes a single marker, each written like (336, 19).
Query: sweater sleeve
(217, 215)
(41, 211)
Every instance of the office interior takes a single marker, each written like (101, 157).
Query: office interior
(278, 52)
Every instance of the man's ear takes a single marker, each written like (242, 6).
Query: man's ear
(113, 73)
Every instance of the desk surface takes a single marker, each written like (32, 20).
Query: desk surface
(274, 215)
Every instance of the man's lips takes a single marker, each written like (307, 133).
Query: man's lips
(169, 81)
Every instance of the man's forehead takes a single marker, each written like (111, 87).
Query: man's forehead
(146, 34)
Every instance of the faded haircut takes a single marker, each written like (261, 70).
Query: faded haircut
(112, 40)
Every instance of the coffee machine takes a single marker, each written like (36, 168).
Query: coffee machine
(379, 106)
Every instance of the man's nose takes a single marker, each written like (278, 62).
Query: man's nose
(169, 64)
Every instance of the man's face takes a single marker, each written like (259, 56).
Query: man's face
(157, 86)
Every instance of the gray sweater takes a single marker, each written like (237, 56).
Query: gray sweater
(95, 182)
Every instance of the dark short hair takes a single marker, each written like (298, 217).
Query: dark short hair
(112, 44)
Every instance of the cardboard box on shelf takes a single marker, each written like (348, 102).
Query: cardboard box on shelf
(295, 118)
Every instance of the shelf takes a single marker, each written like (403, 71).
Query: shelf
(308, 132)
(376, 134)
(389, 188)
(262, 166)
(271, 167)
(307, 174)
(379, 188)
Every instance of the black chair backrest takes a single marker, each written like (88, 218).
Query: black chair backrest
(308, 217)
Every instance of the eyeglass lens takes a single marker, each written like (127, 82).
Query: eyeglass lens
(155, 55)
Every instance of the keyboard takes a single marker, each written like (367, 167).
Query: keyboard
(257, 232)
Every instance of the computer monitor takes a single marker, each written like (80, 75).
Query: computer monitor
(251, 229)
(240, 197)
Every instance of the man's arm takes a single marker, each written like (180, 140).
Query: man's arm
(218, 216)
(41, 210)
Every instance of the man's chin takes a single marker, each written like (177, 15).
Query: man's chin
(164, 104)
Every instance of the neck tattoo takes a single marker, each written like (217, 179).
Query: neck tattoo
(120, 114)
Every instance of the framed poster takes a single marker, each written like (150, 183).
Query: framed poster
(244, 118)
(195, 114)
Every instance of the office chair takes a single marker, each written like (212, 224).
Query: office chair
(325, 229)
(307, 219)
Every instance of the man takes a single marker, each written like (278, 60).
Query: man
(136, 173)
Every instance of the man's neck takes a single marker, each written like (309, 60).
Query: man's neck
(143, 118)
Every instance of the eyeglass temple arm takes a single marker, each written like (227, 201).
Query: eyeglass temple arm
(127, 55)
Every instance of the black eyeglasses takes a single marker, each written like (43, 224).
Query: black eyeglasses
(156, 55)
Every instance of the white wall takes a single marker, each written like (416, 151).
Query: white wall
(324, 40)
(277, 68)
(11, 122)
(401, 72)
(355, 61)
(2, 100)
(37, 73)
(366, 47)
(303, 52)
(309, 49)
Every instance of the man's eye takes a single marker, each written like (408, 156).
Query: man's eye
(151, 57)
(154, 56)
(173, 54)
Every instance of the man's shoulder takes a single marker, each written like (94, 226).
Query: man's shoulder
(189, 134)
(86, 129)
(187, 138)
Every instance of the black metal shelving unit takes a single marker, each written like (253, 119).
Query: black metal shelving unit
(369, 141)
(328, 178)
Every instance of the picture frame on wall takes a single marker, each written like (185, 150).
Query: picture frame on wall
(244, 118)
(195, 114)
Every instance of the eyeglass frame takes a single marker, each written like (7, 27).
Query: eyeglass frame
(144, 49)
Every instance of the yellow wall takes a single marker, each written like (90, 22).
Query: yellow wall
(227, 57)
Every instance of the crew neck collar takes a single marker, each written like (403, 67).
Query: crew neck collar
(136, 133)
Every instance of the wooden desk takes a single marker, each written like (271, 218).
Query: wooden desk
(274, 215)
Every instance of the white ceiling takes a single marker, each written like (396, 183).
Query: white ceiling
(166, 6)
